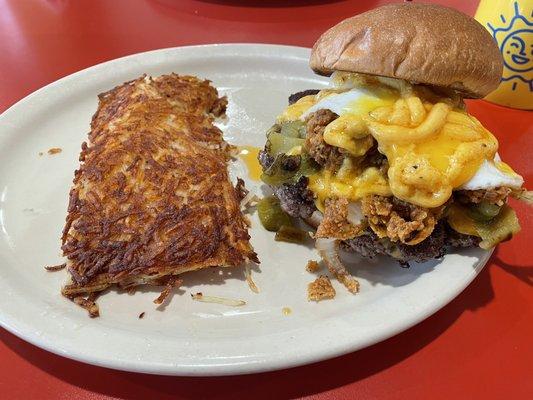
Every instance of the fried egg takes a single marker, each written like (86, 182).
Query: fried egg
(493, 174)
(355, 101)
(353, 104)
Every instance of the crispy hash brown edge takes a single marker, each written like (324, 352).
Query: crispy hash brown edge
(152, 197)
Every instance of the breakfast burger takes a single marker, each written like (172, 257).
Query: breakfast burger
(387, 160)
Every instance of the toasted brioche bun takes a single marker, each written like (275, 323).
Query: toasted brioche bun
(420, 43)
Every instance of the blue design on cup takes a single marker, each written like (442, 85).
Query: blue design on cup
(515, 45)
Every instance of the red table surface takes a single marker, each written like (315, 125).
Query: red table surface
(478, 346)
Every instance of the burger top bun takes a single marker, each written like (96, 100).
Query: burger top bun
(421, 43)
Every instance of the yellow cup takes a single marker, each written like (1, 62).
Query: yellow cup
(511, 24)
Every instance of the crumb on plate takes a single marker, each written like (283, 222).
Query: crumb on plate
(312, 266)
(320, 289)
(55, 150)
(217, 300)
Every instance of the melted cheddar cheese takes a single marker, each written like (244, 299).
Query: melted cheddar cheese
(432, 147)
(427, 160)
(350, 184)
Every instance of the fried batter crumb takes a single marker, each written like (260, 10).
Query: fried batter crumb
(141, 315)
(335, 223)
(55, 150)
(320, 289)
(312, 266)
(286, 311)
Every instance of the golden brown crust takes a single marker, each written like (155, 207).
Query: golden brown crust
(421, 43)
(320, 289)
(152, 196)
(312, 266)
(335, 224)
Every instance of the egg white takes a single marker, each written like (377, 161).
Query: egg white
(488, 176)
(341, 103)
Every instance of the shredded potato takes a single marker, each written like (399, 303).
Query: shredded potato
(249, 280)
(218, 300)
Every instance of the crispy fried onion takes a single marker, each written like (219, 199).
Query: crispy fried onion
(217, 300)
(342, 220)
(329, 252)
(496, 196)
(400, 221)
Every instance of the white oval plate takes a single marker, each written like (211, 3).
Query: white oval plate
(190, 338)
